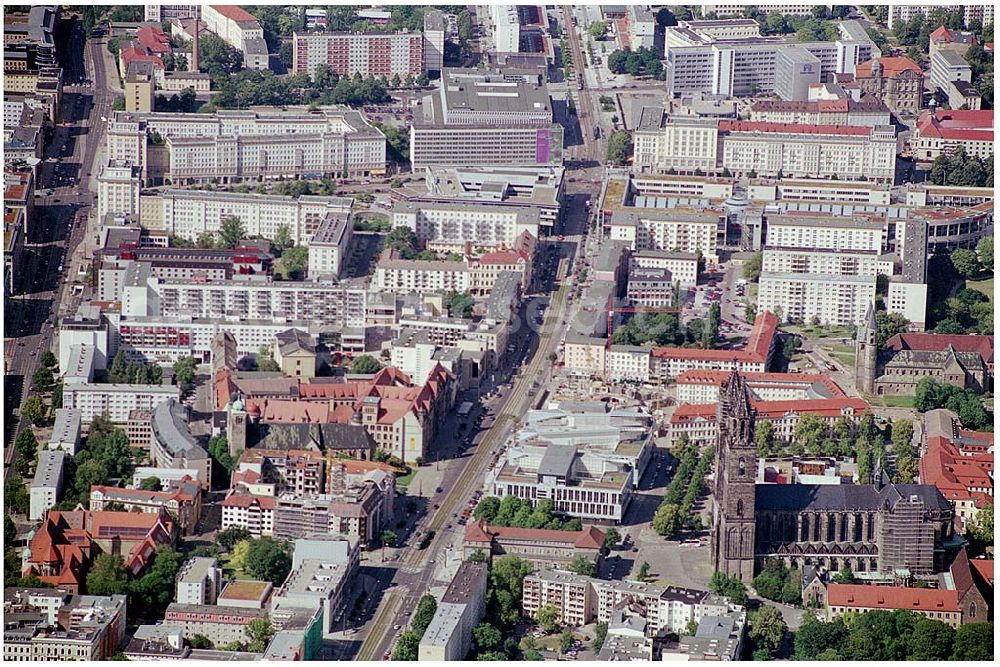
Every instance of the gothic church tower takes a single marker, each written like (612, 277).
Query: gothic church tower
(866, 353)
(733, 520)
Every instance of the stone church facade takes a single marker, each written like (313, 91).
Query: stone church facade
(881, 527)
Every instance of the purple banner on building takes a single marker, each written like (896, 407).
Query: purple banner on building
(543, 145)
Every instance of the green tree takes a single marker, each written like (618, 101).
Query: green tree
(612, 538)
(459, 304)
(566, 640)
(600, 634)
(620, 147)
(89, 473)
(974, 641)
(487, 637)
(423, 615)
(547, 617)
(767, 629)
(668, 520)
(151, 484)
(107, 576)
(218, 59)
(269, 560)
(16, 497)
(764, 437)
(200, 641)
(403, 240)
(487, 509)
(506, 579)
(965, 261)
(598, 29)
(184, 370)
(241, 554)
(406, 647)
(48, 359)
(583, 566)
(34, 410)
(845, 576)
(981, 528)
(643, 573)
(730, 587)
(752, 266)
(814, 637)
(888, 325)
(265, 360)
(260, 631)
(365, 365)
(294, 262)
(231, 231)
(931, 640)
(156, 587)
(985, 251)
(229, 537)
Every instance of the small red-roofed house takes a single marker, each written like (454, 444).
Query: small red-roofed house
(897, 81)
(944, 131)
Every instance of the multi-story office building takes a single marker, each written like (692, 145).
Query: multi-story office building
(189, 213)
(323, 570)
(163, 13)
(677, 229)
(731, 57)
(683, 266)
(486, 117)
(948, 66)
(118, 189)
(241, 30)
(365, 53)
(820, 268)
(252, 144)
(329, 244)
(723, 11)
(46, 487)
(583, 483)
(219, 624)
(53, 626)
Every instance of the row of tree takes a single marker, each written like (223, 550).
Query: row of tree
(676, 511)
(667, 329)
(643, 61)
(957, 168)
(779, 583)
(519, 513)
(133, 372)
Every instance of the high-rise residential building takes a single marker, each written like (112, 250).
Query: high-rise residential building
(365, 53)
(435, 32)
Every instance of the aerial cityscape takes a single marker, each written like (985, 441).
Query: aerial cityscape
(498, 332)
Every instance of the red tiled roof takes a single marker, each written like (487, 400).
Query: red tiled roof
(925, 342)
(962, 125)
(890, 597)
(717, 378)
(984, 568)
(133, 51)
(758, 345)
(823, 407)
(247, 500)
(794, 128)
(234, 13)
(942, 34)
(154, 39)
(590, 537)
(502, 257)
(891, 67)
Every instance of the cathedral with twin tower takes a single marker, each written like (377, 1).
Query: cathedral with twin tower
(876, 527)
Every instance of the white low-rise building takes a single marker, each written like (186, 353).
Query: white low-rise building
(457, 224)
(67, 431)
(677, 229)
(115, 401)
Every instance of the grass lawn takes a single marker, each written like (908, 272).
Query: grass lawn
(984, 286)
(846, 360)
(810, 331)
(404, 480)
(893, 401)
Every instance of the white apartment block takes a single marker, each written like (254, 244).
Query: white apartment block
(810, 151)
(240, 29)
(948, 66)
(413, 275)
(368, 54)
(674, 230)
(849, 192)
(584, 355)
(162, 13)
(115, 400)
(683, 266)
(247, 144)
(484, 145)
(627, 363)
(118, 189)
(900, 13)
(506, 28)
(67, 431)
(820, 269)
(199, 581)
(453, 225)
(189, 213)
(723, 11)
(46, 487)
(255, 513)
(683, 144)
(730, 57)
(329, 245)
